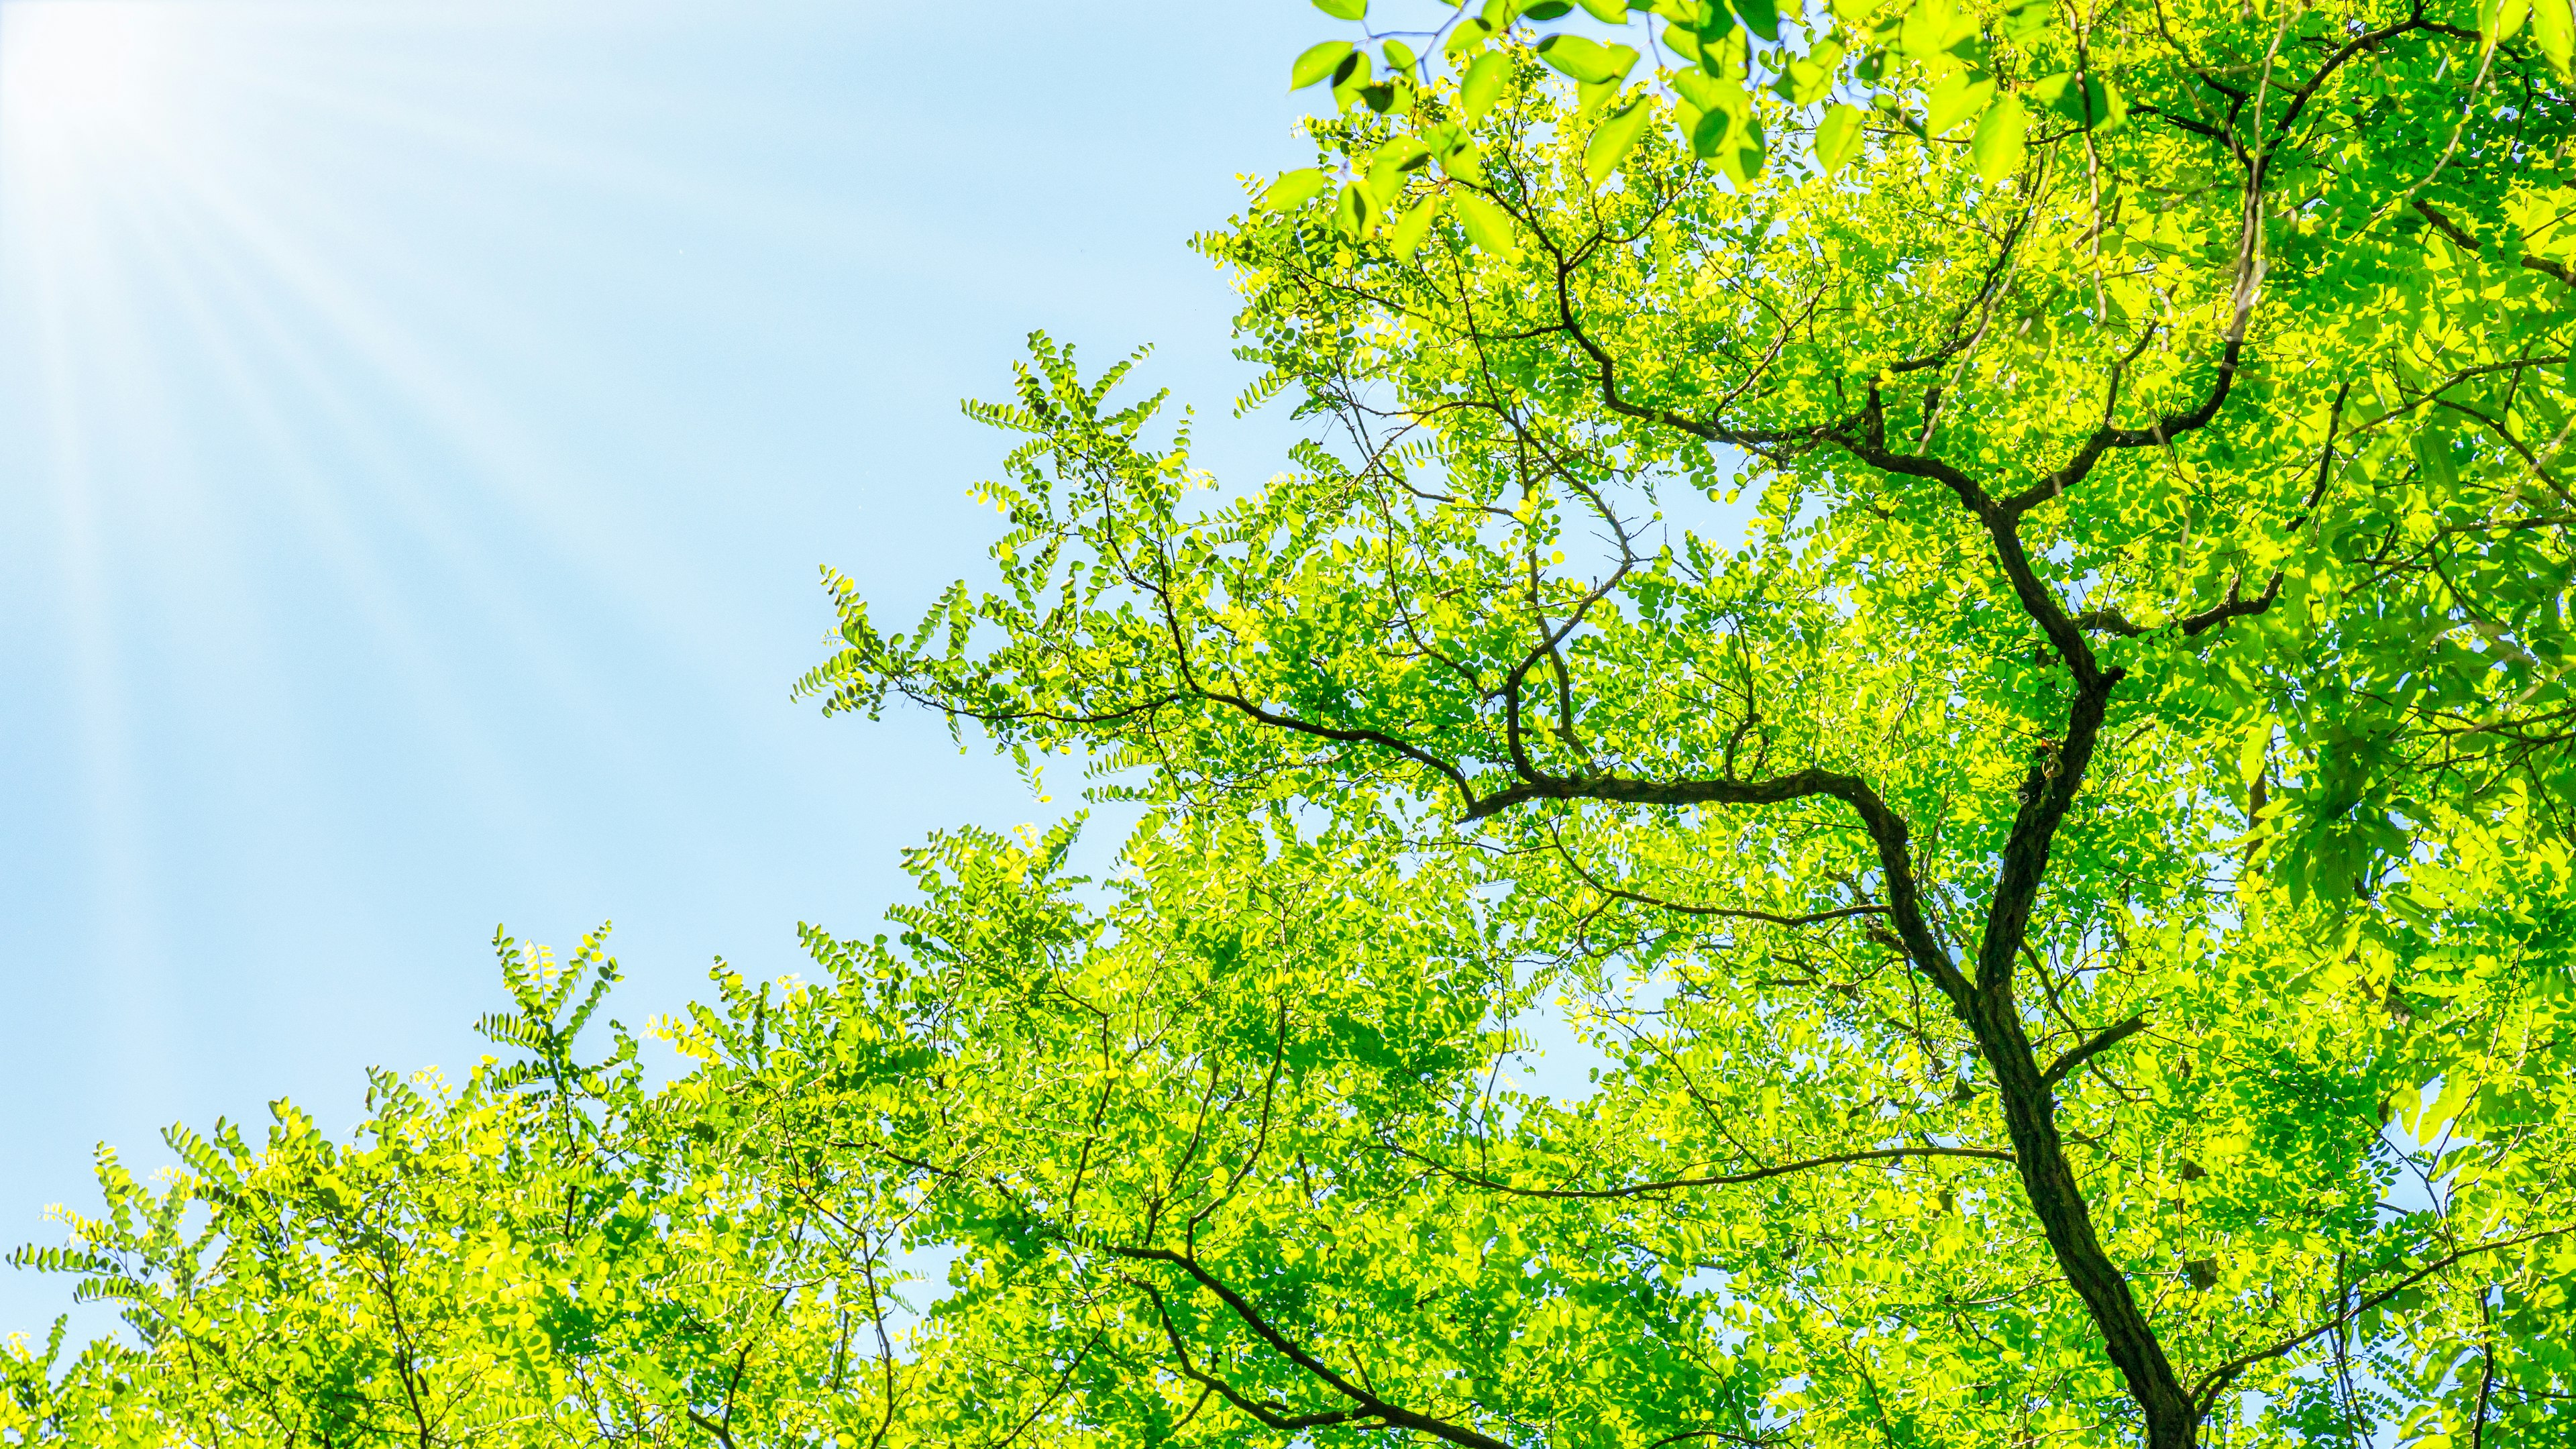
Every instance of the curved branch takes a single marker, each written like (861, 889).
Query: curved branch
(1271, 1415)
(1369, 1404)
(1886, 828)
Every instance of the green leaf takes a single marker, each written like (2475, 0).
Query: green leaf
(1762, 17)
(1294, 189)
(2501, 20)
(1355, 212)
(1483, 85)
(1708, 134)
(2433, 453)
(1614, 139)
(1388, 168)
(1344, 9)
(1809, 77)
(1318, 62)
(1350, 78)
(1930, 28)
(2086, 100)
(1462, 162)
(1550, 10)
(2255, 749)
(1610, 12)
(1488, 225)
(1471, 33)
(1587, 60)
(1838, 137)
(2027, 21)
(1740, 159)
(1404, 236)
(1960, 94)
(2000, 145)
(1399, 56)
(2553, 28)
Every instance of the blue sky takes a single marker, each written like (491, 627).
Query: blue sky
(420, 425)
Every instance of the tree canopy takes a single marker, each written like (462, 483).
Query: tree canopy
(1976, 597)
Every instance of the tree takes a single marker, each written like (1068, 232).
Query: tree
(2073, 905)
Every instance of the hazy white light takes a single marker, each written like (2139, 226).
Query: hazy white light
(72, 69)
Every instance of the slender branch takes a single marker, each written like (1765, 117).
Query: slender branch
(1740, 913)
(1271, 1415)
(1729, 1179)
(2216, 1380)
(1370, 1404)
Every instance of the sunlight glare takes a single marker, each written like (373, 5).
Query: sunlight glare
(73, 70)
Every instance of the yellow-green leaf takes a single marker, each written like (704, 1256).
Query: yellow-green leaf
(1404, 237)
(1488, 226)
(1483, 85)
(2553, 27)
(1615, 138)
(1960, 95)
(1587, 60)
(1294, 189)
(1838, 137)
(1317, 62)
(2000, 146)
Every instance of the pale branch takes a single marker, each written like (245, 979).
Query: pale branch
(1677, 1184)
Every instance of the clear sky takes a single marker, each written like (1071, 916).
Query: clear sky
(420, 425)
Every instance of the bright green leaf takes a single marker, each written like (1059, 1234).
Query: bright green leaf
(2000, 146)
(1488, 225)
(1404, 236)
(1318, 62)
(1294, 189)
(1838, 137)
(1960, 94)
(1614, 139)
(1587, 60)
(1483, 85)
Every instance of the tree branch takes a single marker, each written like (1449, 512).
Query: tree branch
(2077, 1057)
(1370, 1405)
(2216, 1380)
(1640, 1189)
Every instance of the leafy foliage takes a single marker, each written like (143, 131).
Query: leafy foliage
(1976, 598)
